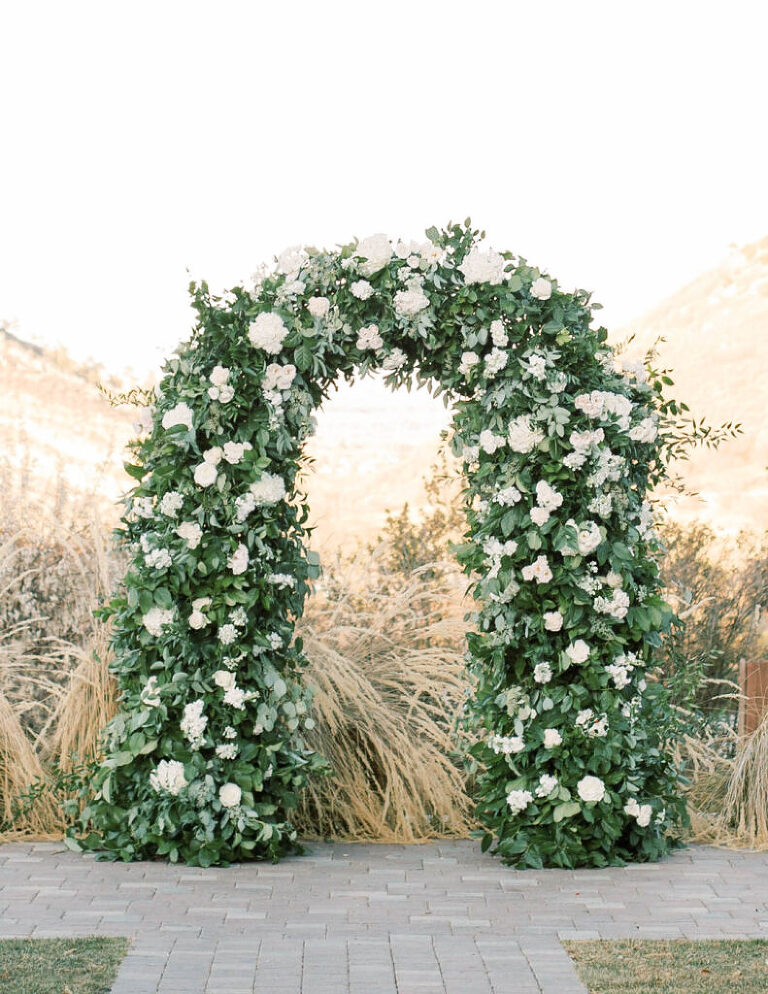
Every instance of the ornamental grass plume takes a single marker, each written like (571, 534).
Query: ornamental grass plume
(387, 668)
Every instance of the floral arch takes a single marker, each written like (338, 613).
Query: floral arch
(206, 758)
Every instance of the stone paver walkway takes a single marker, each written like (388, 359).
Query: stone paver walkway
(366, 919)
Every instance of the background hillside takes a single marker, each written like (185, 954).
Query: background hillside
(373, 448)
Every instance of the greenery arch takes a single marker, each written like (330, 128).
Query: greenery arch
(206, 758)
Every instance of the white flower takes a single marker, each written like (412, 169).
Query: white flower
(588, 538)
(536, 366)
(632, 808)
(499, 335)
(150, 694)
(541, 289)
(223, 393)
(197, 619)
(178, 415)
(214, 455)
(483, 267)
(538, 571)
(506, 745)
(495, 361)
(277, 377)
(376, 250)
(547, 785)
(547, 497)
(156, 619)
(578, 651)
(158, 559)
(267, 332)
(540, 515)
(553, 621)
(395, 360)
(468, 360)
(227, 751)
(190, 532)
(490, 442)
(318, 307)
(590, 403)
(507, 497)
(518, 800)
(168, 777)
(269, 489)
(143, 507)
(601, 504)
(205, 474)
(193, 723)
(234, 451)
(227, 634)
(552, 738)
(617, 607)
(291, 260)
(522, 438)
(410, 302)
(282, 580)
(235, 697)
(593, 726)
(644, 815)
(542, 673)
(171, 503)
(239, 617)
(362, 289)
(645, 432)
(224, 679)
(591, 789)
(219, 376)
(369, 338)
(619, 675)
(145, 420)
(230, 795)
(238, 561)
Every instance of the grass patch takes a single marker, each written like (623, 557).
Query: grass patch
(633, 966)
(60, 966)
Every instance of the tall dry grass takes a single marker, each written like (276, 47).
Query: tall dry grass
(386, 662)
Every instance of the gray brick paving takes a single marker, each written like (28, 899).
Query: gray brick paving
(365, 919)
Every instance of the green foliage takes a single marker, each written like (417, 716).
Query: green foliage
(559, 449)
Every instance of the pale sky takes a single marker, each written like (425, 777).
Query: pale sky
(619, 146)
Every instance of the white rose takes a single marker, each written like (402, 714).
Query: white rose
(376, 250)
(552, 738)
(369, 338)
(483, 267)
(318, 306)
(234, 451)
(540, 515)
(224, 679)
(541, 289)
(178, 415)
(291, 260)
(197, 620)
(190, 532)
(238, 561)
(219, 376)
(578, 651)
(644, 815)
(490, 442)
(553, 621)
(591, 789)
(542, 673)
(226, 393)
(230, 795)
(214, 455)
(361, 289)
(205, 474)
(410, 302)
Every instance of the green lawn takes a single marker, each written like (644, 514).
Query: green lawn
(59, 966)
(632, 966)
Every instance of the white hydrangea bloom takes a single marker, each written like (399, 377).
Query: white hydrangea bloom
(369, 338)
(361, 289)
(269, 489)
(522, 437)
(227, 634)
(191, 533)
(376, 251)
(234, 451)
(547, 785)
(410, 302)
(495, 361)
(318, 307)
(168, 777)
(506, 745)
(235, 697)
(156, 619)
(489, 442)
(267, 332)
(507, 497)
(171, 503)
(143, 507)
(518, 800)
(194, 723)
(158, 559)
